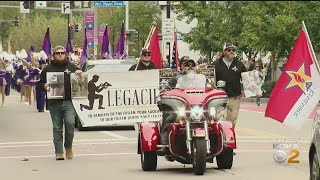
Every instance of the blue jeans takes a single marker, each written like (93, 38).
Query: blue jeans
(62, 113)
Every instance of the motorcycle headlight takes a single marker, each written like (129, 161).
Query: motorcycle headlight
(182, 112)
(196, 112)
(213, 111)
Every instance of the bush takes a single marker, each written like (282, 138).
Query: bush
(268, 87)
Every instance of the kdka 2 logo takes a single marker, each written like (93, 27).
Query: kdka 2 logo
(287, 151)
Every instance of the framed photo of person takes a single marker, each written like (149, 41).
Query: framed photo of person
(55, 82)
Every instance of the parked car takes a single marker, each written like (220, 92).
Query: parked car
(314, 150)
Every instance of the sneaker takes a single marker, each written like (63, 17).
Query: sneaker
(234, 153)
(69, 153)
(59, 157)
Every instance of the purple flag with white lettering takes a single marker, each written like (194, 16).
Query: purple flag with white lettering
(120, 46)
(46, 45)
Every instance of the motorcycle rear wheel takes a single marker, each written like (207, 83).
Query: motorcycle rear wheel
(149, 161)
(199, 156)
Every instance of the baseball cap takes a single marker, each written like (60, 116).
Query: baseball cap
(228, 45)
(184, 59)
(59, 47)
(145, 50)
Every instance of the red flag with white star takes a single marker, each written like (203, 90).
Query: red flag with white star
(297, 92)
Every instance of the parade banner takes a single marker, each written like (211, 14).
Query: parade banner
(252, 83)
(116, 98)
(55, 82)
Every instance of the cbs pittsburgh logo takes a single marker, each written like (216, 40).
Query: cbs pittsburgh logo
(286, 152)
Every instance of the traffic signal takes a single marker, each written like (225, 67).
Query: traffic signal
(32, 4)
(72, 5)
(26, 4)
(76, 28)
(17, 21)
(136, 36)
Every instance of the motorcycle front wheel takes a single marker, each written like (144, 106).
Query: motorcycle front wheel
(199, 156)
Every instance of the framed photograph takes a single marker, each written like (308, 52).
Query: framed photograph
(79, 86)
(55, 81)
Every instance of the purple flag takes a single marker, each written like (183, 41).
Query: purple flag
(120, 46)
(84, 54)
(106, 45)
(46, 45)
(32, 48)
(110, 44)
(69, 45)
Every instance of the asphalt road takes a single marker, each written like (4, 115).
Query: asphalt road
(27, 152)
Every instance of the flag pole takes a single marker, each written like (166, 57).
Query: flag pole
(153, 27)
(310, 45)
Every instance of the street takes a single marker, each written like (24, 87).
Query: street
(27, 152)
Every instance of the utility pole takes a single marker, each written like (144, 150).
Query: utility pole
(127, 29)
(168, 43)
(95, 47)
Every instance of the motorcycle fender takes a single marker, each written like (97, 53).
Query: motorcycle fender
(198, 132)
(149, 136)
(230, 134)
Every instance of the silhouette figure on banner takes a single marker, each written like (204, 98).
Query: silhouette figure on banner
(92, 89)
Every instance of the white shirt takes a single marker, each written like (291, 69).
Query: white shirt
(228, 63)
(9, 68)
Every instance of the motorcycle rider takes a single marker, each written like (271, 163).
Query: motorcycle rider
(187, 66)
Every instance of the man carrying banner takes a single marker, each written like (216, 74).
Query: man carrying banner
(61, 110)
(144, 62)
(229, 70)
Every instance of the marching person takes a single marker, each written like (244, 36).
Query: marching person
(229, 69)
(40, 92)
(144, 62)
(8, 76)
(3, 81)
(61, 110)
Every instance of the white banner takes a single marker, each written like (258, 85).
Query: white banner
(116, 98)
(252, 83)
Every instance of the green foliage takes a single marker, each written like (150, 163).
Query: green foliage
(33, 26)
(252, 26)
(268, 87)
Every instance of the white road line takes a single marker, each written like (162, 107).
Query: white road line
(260, 112)
(78, 155)
(82, 140)
(114, 135)
(47, 145)
(122, 154)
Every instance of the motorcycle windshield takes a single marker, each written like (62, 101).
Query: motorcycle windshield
(192, 80)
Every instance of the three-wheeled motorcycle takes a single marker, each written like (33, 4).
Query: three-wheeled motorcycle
(196, 136)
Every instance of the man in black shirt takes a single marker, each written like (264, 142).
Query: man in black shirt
(145, 62)
(229, 69)
(61, 110)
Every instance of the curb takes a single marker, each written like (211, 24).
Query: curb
(253, 99)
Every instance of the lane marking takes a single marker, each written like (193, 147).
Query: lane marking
(114, 135)
(78, 155)
(122, 154)
(82, 140)
(259, 112)
(260, 133)
(45, 145)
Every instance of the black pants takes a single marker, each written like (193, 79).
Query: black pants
(168, 118)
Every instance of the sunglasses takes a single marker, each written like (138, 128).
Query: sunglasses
(229, 50)
(189, 64)
(147, 54)
(60, 53)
